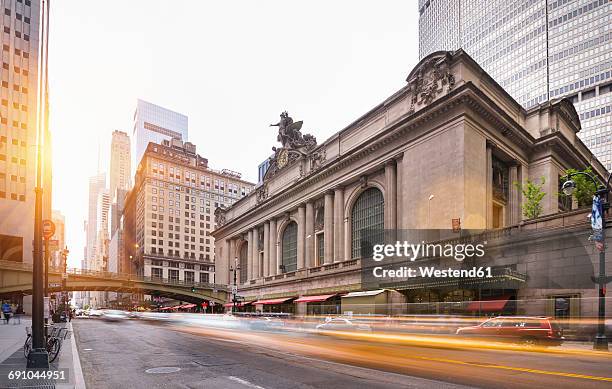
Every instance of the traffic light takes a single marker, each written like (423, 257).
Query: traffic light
(193, 289)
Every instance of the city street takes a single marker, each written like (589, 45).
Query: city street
(120, 354)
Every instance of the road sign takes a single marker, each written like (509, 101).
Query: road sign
(234, 289)
(54, 285)
(48, 229)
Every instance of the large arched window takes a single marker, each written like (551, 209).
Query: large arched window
(244, 263)
(367, 221)
(289, 259)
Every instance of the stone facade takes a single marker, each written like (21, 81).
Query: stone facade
(448, 145)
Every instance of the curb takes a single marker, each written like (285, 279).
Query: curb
(79, 380)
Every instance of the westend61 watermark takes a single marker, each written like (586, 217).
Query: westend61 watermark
(407, 251)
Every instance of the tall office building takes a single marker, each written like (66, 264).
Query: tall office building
(20, 28)
(537, 50)
(153, 123)
(97, 184)
(120, 163)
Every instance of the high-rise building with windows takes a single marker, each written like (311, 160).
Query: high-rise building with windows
(120, 163)
(97, 184)
(153, 123)
(537, 50)
(170, 212)
(20, 29)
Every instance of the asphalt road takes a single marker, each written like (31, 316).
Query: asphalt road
(118, 355)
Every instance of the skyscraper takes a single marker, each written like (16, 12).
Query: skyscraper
(537, 50)
(97, 184)
(18, 111)
(153, 123)
(119, 163)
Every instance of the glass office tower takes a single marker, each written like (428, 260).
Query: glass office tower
(153, 123)
(537, 50)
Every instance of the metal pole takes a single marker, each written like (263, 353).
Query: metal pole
(601, 340)
(38, 356)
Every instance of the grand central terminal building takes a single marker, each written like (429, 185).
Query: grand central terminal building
(445, 152)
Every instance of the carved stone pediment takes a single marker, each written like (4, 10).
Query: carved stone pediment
(428, 80)
(295, 146)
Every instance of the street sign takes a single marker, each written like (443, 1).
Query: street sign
(48, 229)
(54, 284)
(234, 289)
(53, 245)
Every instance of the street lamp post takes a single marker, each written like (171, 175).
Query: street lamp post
(601, 340)
(38, 356)
(235, 285)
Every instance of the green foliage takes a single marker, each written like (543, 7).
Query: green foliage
(533, 194)
(585, 188)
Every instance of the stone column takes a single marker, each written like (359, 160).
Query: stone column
(391, 198)
(231, 260)
(338, 224)
(272, 248)
(224, 278)
(328, 252)
(301, 236)
(513, 201)
(266, 249)
(255, 254)
(279, 255)
(489, 183)
(310, 237)
(250, 255)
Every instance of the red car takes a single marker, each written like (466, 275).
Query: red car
(529, 330)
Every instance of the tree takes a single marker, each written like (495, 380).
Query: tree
(585, 188)
(533, 194)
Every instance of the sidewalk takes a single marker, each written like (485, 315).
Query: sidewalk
(12, 336)
(12, 359)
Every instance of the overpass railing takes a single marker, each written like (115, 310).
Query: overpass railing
(116, 276)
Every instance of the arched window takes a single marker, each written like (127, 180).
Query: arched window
(367, 221)
(289, 259)
(244, 263)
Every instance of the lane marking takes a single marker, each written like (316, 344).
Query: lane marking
(521, 369)
(245, 382)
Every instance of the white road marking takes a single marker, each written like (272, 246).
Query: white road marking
(245, 382)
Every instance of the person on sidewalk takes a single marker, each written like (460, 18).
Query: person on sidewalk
(6, 311)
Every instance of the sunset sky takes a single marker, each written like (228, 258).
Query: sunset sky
(231, 67)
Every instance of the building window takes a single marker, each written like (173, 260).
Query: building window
(156, 272)
(367, 221)
(173, 275)
(289, 258)
(243, 263)
(189, 276)
(320, 249)
(204, 277)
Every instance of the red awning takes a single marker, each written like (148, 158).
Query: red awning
(494, 304)
(188, 306)
(273, 301)
(314, 299)
(229, 305)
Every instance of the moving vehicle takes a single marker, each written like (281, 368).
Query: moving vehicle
(342, 324)
(114, 315)
(266, 324)
(529, 330)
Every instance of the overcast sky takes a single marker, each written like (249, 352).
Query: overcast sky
(230, 66)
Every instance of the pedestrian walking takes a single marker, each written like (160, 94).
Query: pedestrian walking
(6, 311)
